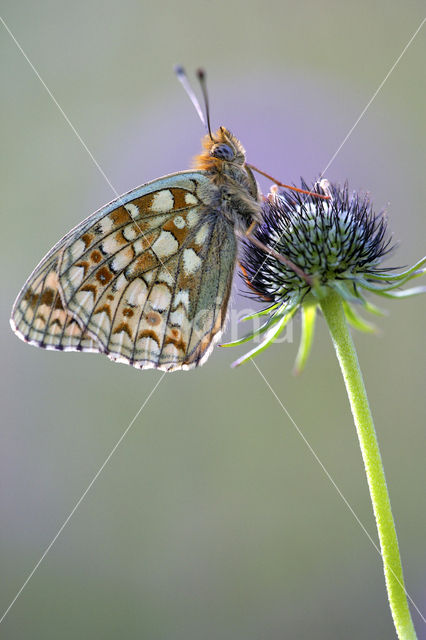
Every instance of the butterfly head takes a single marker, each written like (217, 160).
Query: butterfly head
(219, 149)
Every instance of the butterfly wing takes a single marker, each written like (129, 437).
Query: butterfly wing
(145, 280)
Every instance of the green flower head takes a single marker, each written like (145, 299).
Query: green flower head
(307, 246)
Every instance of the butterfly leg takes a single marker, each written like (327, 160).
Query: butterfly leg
(286, 261)
(288, 186)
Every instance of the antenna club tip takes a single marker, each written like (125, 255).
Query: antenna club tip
(179, 70)
(201, 74)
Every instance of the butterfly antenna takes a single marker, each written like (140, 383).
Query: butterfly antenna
(183, 79)
(201, 75)
(288, 186)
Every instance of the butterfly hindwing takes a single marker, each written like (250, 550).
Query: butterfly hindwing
(146, 279)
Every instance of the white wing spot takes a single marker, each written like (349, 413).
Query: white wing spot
(192, 217)
(121, 260)
(149, 276)
(132, 209)
(202, 234)
(177, 317)
(136, 292)
(139, 246)
(106, 225)
(190, 199)
(160, 296)
(191, 262)
(181, 297)
(165, 276)
(130, 232)
(121, 282)
(179, 222)
(110, 245)
(163, 201)
(165, 245)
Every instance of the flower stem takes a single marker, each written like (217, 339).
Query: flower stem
(334, 314)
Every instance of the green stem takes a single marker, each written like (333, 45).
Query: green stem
(333, 311)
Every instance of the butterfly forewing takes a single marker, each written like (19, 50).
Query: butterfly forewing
(146, 279)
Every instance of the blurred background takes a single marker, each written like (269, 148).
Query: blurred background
(212, 519)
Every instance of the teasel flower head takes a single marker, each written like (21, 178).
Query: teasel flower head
(307, 246)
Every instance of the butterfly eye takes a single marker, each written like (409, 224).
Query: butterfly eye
(222, 151)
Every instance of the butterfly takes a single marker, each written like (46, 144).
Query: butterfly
(147, 278)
